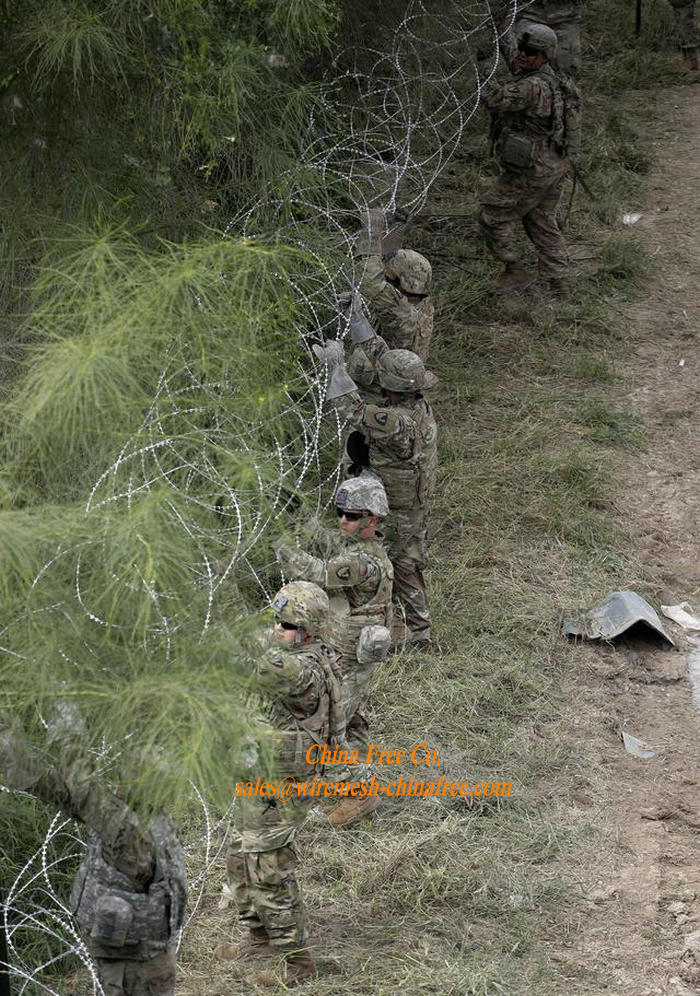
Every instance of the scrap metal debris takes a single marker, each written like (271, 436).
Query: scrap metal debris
(616, 614)
(683, 615)
(637, 747)
(690, 622)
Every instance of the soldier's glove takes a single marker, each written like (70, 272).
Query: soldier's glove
(284, 552)
(339, 380)
(369, 239)
(373, 644)
(19, 767)
(398, 224)
(360, 328)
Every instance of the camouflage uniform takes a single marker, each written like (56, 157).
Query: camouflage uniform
(684, 23)
(130, 891)
(360, 573)
(403, 324)
(362, 367)
(301, 689)
(564, 18)
(402, 451)
(525, 192)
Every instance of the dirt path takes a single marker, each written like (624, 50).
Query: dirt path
(645, 900)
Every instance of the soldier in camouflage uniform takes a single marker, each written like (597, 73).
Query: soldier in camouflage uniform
(350, 562)
(686, 32)
(352, 565)
(396, 282)
(401, 440)
(529, 135)
(130, 891)
(300, 685)
(398, 289)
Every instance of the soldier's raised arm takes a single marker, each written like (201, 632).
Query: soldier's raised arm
(376, 421)
(79, 792)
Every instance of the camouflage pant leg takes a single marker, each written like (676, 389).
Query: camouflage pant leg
(684, 29)
(261, 868)
(356, 688)
(408, 552)
(543, 231)
(237, 881)
(531, 199)
(569, 47)
(152, 977)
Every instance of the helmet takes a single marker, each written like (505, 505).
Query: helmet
(363, 494)
(537, 36)
(304, 604)
(402, 371)
(413, 270)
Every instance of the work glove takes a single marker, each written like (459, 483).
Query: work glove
(339, 380)
(285, 551)
(398, 224)
(19, 767)
(369, 239)
(360, 328)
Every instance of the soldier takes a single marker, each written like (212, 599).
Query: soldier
(300, 685)
(686, 32)
(533, 132)
(396, 282)
(352, 563)
(401, 440)
(398, 288)
(130, 891)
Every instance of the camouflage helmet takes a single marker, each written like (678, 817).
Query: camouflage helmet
(304, 604)
(537, 36)
(402, 371)
(413, 271)
(363, 494)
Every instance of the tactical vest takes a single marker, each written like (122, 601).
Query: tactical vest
(120, 922)
(325, 725)
(409, 481)
(350, 614)
(520, 136)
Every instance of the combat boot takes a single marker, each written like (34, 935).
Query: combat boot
(514, 277)
(297, 968)
(420, 638)
(690, 59)
(557, 287)
(351, 810)
(256, 945)
(300, 967)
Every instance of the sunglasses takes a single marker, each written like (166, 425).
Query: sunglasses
(286, 625)
(528, 50)
(350, 516)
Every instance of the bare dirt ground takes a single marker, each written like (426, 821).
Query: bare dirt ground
(643, 901)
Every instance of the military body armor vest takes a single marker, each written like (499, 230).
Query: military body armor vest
(408, 481)
(352, 611)
(326, 724)
(519, 136)
(120, 922)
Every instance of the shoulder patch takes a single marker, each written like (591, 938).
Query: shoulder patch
(342, 573)
(381, 418)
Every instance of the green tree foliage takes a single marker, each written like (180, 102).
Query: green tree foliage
(156, 417)
(168, 113)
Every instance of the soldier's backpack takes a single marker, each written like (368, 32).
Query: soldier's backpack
(566, 124)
